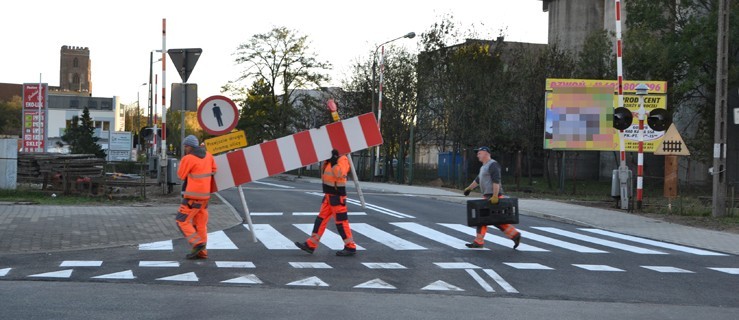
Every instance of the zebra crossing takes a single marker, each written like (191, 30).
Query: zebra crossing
(414, 237)
(544, 240)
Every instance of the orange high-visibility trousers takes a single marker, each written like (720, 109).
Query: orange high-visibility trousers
(332, 206)
(508, 229)
(192, 219)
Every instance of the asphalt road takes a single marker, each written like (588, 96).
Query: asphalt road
(412, 260)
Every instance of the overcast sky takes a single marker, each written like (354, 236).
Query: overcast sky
(120, 34)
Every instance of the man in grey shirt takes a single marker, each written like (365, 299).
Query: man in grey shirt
(489, 180)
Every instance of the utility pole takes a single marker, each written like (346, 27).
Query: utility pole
(719, 135)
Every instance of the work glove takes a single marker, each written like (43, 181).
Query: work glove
(334, 157)
(467, 191)
(494, 200)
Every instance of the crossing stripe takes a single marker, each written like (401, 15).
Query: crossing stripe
(654, 243)
(432, 234)
(384, 238)
(329, 239)
(219, 241)
(271, 238)
(489, 237)
(667, 269)
(159, 245)
(501, 282)
(559, 243)
(602, 242)
(379, 209)
(480, 280)
(597, 267)
(528, 266)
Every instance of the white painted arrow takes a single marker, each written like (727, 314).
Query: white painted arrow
(247, 279)
(126, 275)
(311, 282)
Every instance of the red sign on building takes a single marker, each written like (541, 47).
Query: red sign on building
(35, 104)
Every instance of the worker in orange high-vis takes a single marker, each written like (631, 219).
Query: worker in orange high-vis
(197, 168)
(333, 176)
(489, 180)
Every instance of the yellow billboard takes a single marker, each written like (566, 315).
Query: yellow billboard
(579, 114)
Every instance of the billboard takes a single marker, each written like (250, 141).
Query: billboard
(579, 114)
(35, 107)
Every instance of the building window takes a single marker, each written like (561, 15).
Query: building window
(76, 63)
(106, 125)
(76, 79)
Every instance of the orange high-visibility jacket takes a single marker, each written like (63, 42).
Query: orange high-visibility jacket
(198, 168)
(334, 177)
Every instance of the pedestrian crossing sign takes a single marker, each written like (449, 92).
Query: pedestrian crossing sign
(672, 144)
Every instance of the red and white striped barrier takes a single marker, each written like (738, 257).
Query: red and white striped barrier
(295, 151)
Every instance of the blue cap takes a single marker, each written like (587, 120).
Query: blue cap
(483, 149)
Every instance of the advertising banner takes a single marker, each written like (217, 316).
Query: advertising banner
(579, 114)
(35, 111)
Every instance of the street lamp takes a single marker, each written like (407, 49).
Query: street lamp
(409, 35)
(138, 112)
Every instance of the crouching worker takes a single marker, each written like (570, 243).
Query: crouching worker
(197, 168)
(489, 180)
(333, 205)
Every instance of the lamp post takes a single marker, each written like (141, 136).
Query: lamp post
(409, 35)
(138, 115)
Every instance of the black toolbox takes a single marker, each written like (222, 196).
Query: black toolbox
(482, 212)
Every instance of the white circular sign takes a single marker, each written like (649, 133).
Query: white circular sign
(218, 115)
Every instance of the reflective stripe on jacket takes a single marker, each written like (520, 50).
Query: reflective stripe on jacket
(198, 167)
(334, 177)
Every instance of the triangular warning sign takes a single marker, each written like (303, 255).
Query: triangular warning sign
(184, 60)
(672, 144)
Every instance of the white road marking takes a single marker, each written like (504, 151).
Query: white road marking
(219, 241)
(432, 234)
(379, 209)
(310, 282)
(80, 263)
(375, 284)
(351, 213)
(492, 238)
(271, 238)
(654, 243)
(528, 266)
(384, 238)
(310, 265)
(441, 286)
(159, 245)
(383, 265)
(54, 274)
(4, 272)
(607, 243)
(501, 282)
(189, 277)
(480, 280)
(123, 275)
(159, 264)
(597, 267)
(558, 243)
(667, 269)
(329, 238)
(273, 185)
(456, 265)
(262, 214)
(235, 264)
(724, 270)
(247, 279)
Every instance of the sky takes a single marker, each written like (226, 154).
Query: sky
(121, 34)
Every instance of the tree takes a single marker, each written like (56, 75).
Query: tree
(81, 136)
(277, 63)
(675, 41)
(10, 116)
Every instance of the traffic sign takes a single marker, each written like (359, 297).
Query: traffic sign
(184, 60)
(672, 144)
(217, 115)
(231, 141)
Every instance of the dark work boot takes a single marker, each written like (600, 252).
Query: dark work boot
(516, 240)
(346, 252)
(304, 246)
(196, 252)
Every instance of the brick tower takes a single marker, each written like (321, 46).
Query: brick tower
(75, 70)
